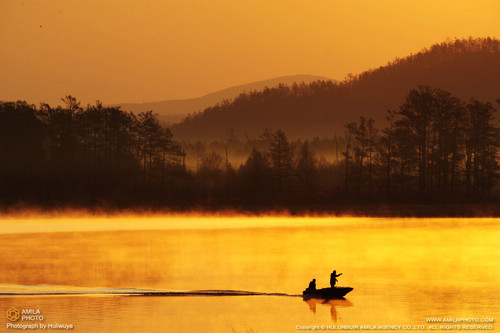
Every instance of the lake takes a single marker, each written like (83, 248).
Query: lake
(405, 272)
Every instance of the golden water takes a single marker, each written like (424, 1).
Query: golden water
(402, 271)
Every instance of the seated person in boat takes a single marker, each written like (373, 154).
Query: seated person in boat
(333, 278)
(312, 285)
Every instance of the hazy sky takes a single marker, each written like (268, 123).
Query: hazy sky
(137, 51)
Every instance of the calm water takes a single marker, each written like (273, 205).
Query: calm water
(402, 271)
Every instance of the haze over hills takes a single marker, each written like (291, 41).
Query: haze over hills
(176, 110)
(468, 68)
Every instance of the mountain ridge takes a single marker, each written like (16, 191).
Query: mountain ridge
(467, 68)
(174, 110)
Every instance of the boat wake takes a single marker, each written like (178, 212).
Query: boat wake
(18, 290)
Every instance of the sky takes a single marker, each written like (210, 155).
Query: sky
(120, 51)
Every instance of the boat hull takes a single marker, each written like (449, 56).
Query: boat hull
(327, 293)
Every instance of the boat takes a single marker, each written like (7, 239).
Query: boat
(326, 293)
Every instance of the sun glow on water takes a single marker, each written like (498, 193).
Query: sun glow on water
(75, 222)
(78, 221)
(402, 270)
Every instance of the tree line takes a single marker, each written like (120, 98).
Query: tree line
(84, 156)
(434, 148)
(435, 144)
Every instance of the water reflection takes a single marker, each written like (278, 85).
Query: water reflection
(333, 303)
(416, 268)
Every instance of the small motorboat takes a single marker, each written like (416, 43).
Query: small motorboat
(326, 293)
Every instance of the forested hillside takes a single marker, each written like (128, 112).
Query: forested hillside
(466, 68)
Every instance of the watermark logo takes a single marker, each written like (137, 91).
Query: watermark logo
(32, 319)
(13, 314)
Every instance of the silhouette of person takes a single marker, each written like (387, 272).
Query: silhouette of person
(312, 285)
(333, 278)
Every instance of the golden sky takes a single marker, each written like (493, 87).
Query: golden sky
(138, 51)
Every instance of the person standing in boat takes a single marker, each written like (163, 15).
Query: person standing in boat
(333, 278)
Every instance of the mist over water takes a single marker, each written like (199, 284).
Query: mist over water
(402, 270)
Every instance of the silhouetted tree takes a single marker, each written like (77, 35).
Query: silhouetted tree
(386, 150)
(351, 129)
(481, 147)
(282, 159)
(372, 148)
(149, 142)
(306, 169)
(212, 164)
(417, 112)
(255, 174)
(361, 136)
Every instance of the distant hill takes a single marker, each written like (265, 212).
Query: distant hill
(467, 68)
(176, 110)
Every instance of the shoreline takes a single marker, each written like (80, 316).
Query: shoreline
(382, 210)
